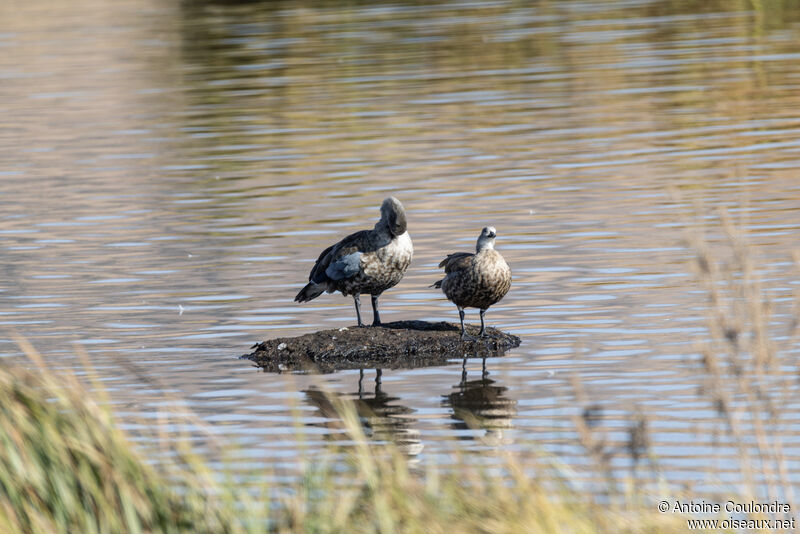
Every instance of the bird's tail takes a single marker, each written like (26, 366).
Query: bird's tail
(310, 292)
(437, 284)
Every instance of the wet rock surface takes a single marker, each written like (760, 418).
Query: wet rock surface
(401, 344)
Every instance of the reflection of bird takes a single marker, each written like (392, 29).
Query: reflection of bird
(369, 261)
(475, 280)
(380, 416)
(481, 404)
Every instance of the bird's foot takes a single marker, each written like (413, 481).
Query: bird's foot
(468, 337)
(377, 323)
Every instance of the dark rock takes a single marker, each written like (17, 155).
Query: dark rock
(401, 344)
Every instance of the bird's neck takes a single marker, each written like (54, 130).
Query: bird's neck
(382, 229)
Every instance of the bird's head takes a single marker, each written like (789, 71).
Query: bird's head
(393, 214)
(486, 239)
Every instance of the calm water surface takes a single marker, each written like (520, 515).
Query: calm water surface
(169, 171)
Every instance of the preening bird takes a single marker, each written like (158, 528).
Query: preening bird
(368, 262)
(475, 280)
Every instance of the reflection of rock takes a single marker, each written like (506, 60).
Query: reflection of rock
(481, 404)
(381, 418)
(401, 344)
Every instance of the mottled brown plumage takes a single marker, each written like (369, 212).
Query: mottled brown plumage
(369, 261)
(476, 280)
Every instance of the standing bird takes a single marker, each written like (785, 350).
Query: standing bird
(475, 280)
(369, 261)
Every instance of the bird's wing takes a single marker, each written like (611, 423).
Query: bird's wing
(341, 260)
(456, 261)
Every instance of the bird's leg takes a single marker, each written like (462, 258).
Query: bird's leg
(376, 317)
(357, 300)
(482, 333)
(464, 335)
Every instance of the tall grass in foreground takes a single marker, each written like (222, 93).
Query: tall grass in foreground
(749, 376)
(65, 466)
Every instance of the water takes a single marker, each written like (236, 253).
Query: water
(169, 171)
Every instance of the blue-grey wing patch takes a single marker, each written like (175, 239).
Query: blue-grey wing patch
(344, 267)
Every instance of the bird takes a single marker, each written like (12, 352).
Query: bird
(475, 280)
(366, 262)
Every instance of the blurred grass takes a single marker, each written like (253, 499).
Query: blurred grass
(65, 466)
